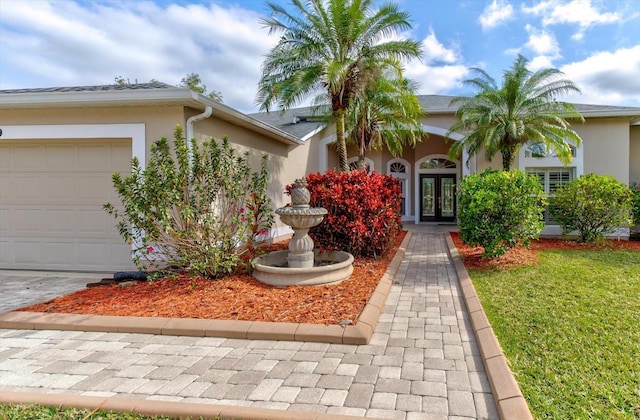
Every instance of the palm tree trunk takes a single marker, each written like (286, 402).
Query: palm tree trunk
(341, 143)
(507, 158)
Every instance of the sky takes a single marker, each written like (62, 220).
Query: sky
(52, 43)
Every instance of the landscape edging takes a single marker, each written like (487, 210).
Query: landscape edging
(509, 400)
(359, 333)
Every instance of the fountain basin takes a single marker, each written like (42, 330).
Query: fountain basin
(330, 268)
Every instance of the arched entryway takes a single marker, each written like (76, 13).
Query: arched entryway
(436, 180)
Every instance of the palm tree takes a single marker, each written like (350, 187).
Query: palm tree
(329, 46)
(385, 113)
(523, 110)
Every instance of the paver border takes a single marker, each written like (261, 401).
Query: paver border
(509, 400)
(163, 408)
(358, 333)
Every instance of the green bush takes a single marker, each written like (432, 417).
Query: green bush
(197, 210)
(500, 210)
(594, 205)
(635, 210)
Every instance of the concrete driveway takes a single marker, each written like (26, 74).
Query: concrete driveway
(23, 288)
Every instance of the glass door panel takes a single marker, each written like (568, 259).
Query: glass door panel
(447, 197)
(428, 196)
(438, 197)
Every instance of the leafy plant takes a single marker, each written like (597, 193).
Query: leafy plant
(594, 205)
(635, 209)
(523, 109)
(196, 209)
(500, 210)
(364, 211)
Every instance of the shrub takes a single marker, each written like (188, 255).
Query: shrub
(500, 210)
(594, 205)
(363, 211)
(197, 210)
(635, 210)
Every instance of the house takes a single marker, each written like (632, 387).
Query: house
(60, 146)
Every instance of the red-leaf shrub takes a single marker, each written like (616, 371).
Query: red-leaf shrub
(364, 211)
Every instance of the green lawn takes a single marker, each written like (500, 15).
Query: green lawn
(40, 412)
(570, 328)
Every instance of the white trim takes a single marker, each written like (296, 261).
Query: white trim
(439, 131)
(419, 171)
(312, 133)
(136, 132)
(577, 162)
(407, 184)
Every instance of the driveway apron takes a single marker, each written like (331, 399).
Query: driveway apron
(422, 361)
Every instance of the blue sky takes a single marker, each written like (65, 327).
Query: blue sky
(46, 43)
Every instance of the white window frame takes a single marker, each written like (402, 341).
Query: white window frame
(406, 186)
(577, 162)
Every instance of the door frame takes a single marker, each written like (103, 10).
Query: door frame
(437, 197)
(418, 170)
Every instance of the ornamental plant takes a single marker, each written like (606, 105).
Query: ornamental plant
(363, 211)
(594, 205)
(500, 210)
(635, 209)
(196, 209)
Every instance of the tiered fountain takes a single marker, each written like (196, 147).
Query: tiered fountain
(301, 264)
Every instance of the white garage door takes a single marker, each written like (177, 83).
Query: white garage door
(51, 197)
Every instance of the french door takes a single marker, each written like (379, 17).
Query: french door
(437, 197)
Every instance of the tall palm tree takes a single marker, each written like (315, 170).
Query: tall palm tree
(329, 46)
(385, 113)
(523, 110)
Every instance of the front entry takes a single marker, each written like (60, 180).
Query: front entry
(438, 197)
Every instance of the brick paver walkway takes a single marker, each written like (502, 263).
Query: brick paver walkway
(422, 362)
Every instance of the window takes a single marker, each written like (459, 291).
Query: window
(437, 163)
(353, 164)
(539, 150)
(398, 168)
(551, 179)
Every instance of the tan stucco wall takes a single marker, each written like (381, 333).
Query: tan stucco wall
(606, 147)
(634, 155)
(159, 121)
(286, 162)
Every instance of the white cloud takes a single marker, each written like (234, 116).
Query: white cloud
(576, 12)
(607, 77)
(436, 79)
(65, 43)
(495, 14)
(542, 42)
(435, 51)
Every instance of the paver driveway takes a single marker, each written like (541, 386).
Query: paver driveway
(422, 361)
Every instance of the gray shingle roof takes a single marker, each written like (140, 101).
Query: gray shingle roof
(299, 122)
(99, 88)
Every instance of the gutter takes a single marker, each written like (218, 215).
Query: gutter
(208, 110)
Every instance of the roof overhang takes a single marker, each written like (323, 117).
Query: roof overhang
(170, 96)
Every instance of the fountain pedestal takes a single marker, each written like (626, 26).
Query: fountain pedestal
(298, 266)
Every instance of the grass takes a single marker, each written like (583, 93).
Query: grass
(570, 328)
(41, 412)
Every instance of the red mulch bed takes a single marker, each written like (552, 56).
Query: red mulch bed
(235, 297)
(520, 256)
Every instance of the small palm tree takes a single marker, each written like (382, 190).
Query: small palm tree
(329, 46)
(385, 113)
(524, 110)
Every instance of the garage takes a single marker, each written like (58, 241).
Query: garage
(51, 197)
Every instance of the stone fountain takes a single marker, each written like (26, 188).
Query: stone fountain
(301, 264)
